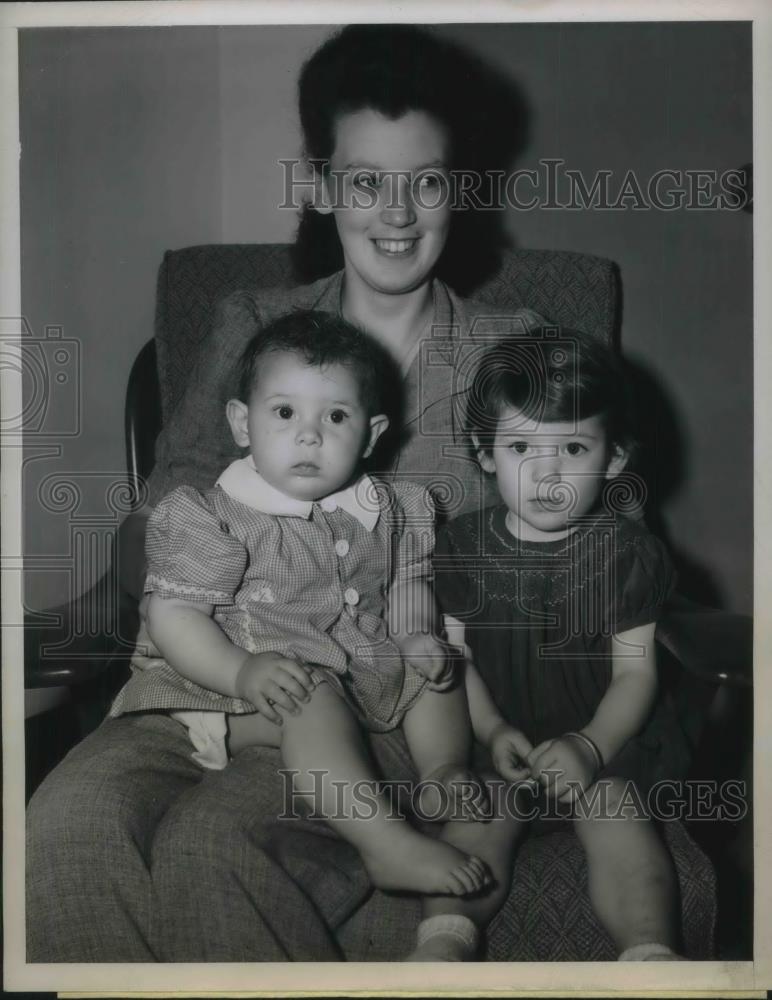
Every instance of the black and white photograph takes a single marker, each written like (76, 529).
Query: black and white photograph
(384, 497)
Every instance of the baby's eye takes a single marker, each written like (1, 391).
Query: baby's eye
(575, 448)
(338, 416)
(284, 412)
(521, 447)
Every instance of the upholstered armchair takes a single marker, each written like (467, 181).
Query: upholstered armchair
(547, 915)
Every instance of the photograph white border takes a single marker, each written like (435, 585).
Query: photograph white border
(289, 979)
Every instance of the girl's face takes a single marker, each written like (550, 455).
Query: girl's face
(306, 427)
(549, 473)
(386, 179)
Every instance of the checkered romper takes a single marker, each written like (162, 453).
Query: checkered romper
(311, 589)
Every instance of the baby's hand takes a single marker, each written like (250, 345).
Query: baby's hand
(431, 657)
(563, 766)
(270, 681)
(509, 750)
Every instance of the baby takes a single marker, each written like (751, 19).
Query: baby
(292, 607)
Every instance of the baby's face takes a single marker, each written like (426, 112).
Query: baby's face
(305, 426)
(549, 473)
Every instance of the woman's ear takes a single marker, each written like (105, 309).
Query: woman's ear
(483, 457)
(617, 462)
(377, 426)
(237, 414)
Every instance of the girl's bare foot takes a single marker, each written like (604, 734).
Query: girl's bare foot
(411, 861)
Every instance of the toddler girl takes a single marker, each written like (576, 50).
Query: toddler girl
(555, 597)
(290, 602)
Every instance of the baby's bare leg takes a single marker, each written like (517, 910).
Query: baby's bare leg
(439, 736)
(252, 730)
(324, 748)
(632, 881)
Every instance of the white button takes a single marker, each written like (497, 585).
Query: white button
(351, 596)
(328, 505)
(342, 547)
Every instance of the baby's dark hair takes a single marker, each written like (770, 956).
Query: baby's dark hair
(555, 379)
(322, 339)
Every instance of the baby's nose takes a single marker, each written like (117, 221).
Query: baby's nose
(309, 433)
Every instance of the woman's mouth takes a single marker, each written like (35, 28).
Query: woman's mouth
(396, 248)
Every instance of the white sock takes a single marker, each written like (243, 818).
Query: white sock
(446, 937)
(652, 952)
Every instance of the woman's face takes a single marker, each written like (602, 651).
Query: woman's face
(388, 189)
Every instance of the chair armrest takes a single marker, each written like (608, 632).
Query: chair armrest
(716, 646)
(131, 552)
(74, 643)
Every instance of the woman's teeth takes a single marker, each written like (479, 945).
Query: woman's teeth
(394, 246)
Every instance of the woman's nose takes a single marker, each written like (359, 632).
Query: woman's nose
(397, 208)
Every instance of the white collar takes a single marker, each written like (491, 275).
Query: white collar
(243, 482)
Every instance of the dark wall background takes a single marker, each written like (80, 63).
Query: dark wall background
(138, 140)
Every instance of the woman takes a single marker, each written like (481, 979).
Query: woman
(134, 853)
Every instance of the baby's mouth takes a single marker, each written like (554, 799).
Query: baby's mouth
(305, 468)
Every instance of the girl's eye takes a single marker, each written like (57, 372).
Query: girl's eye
(521, 447)
(575, 448)
(284, 412)
(338, 416)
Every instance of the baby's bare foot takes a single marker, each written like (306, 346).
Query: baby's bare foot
(419, 864)
(452, 792)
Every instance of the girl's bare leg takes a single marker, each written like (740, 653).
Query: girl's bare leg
(324, 746)
(449, 928)
(438, 733)
(632, 881)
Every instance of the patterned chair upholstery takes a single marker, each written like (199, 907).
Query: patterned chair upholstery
(547, 916)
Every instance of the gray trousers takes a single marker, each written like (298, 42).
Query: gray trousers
(135, 854)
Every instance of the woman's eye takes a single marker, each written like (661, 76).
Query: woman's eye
(366, 182)
(575, 448)
(427, 182)
(338, 416)
(284, 412)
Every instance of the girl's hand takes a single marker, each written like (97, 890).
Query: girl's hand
(509, 749)
(431, 657)
(564, 767)
(270, 681)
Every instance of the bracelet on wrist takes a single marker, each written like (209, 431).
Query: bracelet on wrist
(590, 744)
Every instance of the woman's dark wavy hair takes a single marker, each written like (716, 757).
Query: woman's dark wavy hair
(394, 69)
(553, 377)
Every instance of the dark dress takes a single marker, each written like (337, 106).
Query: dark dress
(539, 618)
